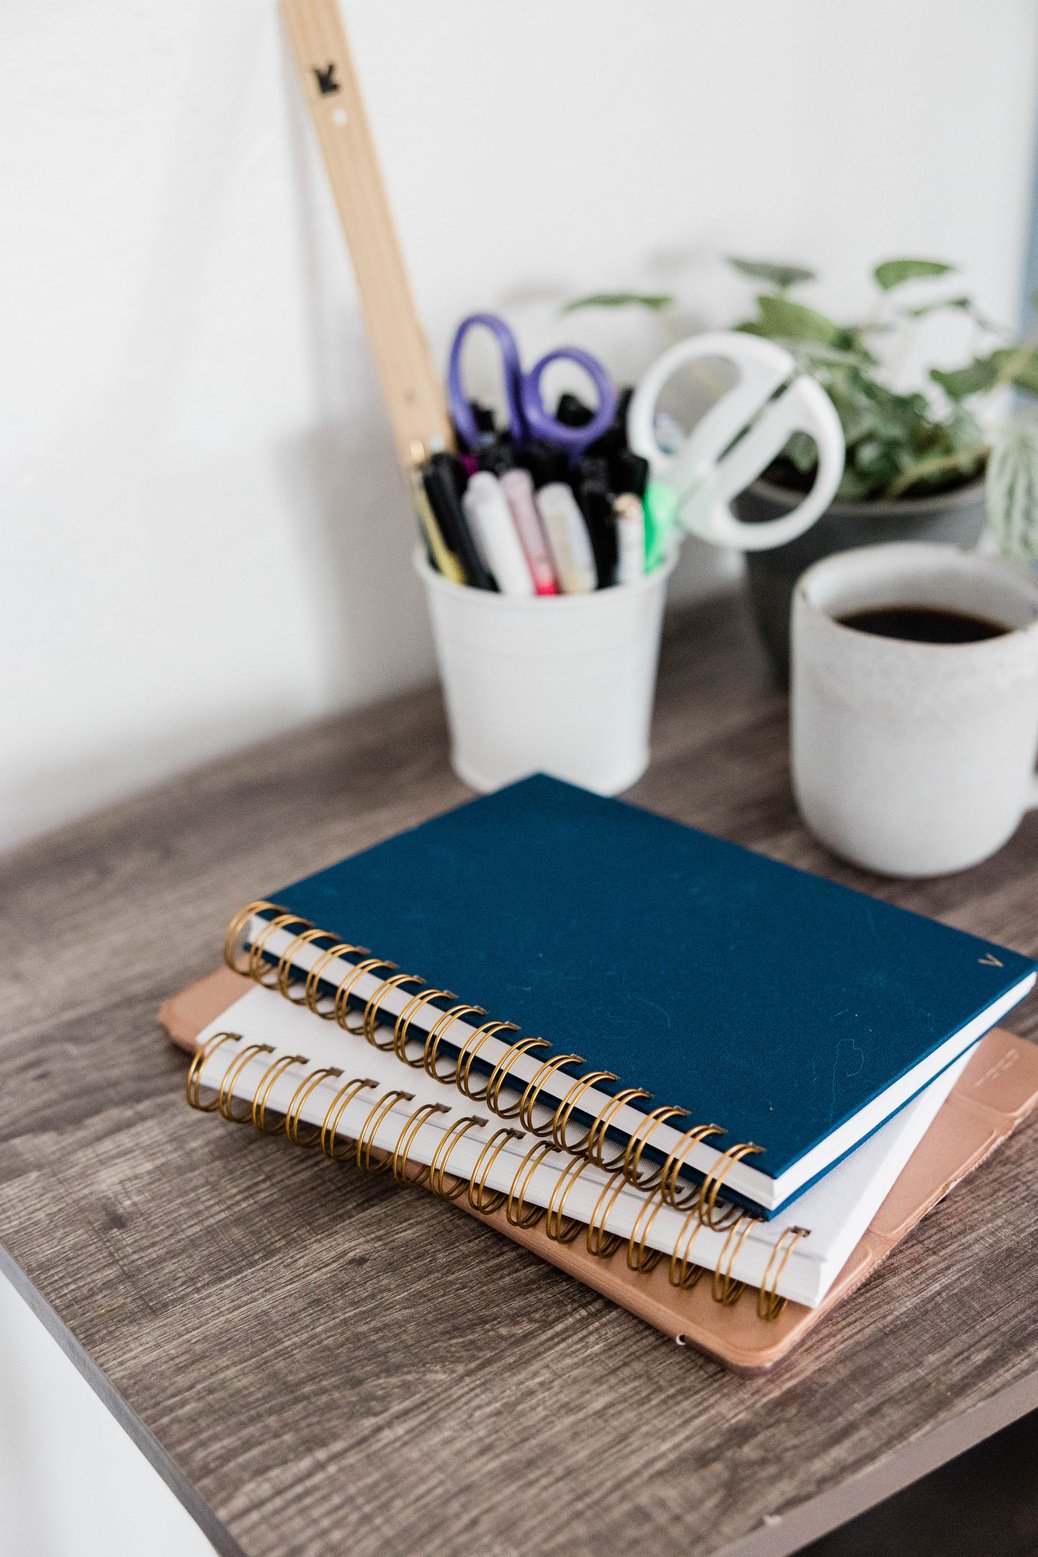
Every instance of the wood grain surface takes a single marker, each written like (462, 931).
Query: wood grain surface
(320, 1362)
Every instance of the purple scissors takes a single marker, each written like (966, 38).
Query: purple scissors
(527, 417)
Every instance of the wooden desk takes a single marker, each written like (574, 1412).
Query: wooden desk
(317, 1361)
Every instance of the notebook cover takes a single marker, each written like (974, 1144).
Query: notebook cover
(998, 1089)
(774, 1003)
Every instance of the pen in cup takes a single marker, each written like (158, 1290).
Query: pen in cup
(517, 486)
(489, 516)
(565, 530)
(630, 536)
(440, 554)
(596, 502)
(630, 479)
(444, 481)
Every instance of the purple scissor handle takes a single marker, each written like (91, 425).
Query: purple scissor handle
(527, 415)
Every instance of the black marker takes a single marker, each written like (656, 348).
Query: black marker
(444, 482)
(572, 412)
(596, 504)
(630, 473)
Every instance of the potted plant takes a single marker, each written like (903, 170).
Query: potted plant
(915, 463)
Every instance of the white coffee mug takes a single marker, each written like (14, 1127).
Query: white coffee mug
(914, 758)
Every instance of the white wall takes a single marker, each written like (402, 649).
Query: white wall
(204, 535)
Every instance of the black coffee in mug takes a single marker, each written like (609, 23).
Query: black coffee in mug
(923, 624)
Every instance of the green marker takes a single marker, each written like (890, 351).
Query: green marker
(661, 519)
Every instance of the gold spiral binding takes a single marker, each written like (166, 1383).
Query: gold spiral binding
(403, 1022)
(596, 1140)
(467, 1058)
(232, 948)
(711, 1187)
(670, 1182)
(225, 1097)
(680, 1272)
(640, 1258)
(293, 1113)
(313, 993)
(602, 1244)
(261, 1096)
(517, 1212)
(336, 1108)
(403, 1171)
(481, 1198)
(769, 1304)
(258, 967)
(639, 1140)
(437, 1033)
(499, 1076)
(534, 1088)
(723, 1287)
(460, 1068)
(441, 1157)
(369, 1021)
(564, 1113)
(557, 1225)
(193, 1085)
(341, 1008)
(381, 1109)
(284, 982)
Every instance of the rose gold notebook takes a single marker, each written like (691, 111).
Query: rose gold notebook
(997, 1090)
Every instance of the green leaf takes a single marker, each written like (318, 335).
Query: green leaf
(939, 471)
(1017, 365)
(781, 317)
(821, 354)
(802, 451)
(963, 429)
(856, 418)
(974, 379)
(965, 304)
(1011, 490)
(853, 488)
(893, 273)
(654, 301)
(781, 276)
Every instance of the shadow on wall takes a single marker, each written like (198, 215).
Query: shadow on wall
(357, 532)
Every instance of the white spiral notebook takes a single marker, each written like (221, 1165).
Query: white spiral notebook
(265, 1054)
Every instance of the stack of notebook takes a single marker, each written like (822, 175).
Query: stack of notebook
(712, 1086)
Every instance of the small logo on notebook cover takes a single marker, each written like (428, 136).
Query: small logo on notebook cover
(989, 960)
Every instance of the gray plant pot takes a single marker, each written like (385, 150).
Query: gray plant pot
(956, 517)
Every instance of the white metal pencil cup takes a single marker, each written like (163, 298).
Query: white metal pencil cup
(560, 684)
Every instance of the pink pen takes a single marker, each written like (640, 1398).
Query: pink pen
(517, 486)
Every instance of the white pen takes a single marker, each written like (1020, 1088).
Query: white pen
(568, 538)
(630, 537)
(486, 509)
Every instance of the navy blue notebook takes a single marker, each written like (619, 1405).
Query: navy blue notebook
(794, 1013)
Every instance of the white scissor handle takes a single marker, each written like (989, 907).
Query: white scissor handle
(702, 477)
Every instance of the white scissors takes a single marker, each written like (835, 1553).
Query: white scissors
(711, 467)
